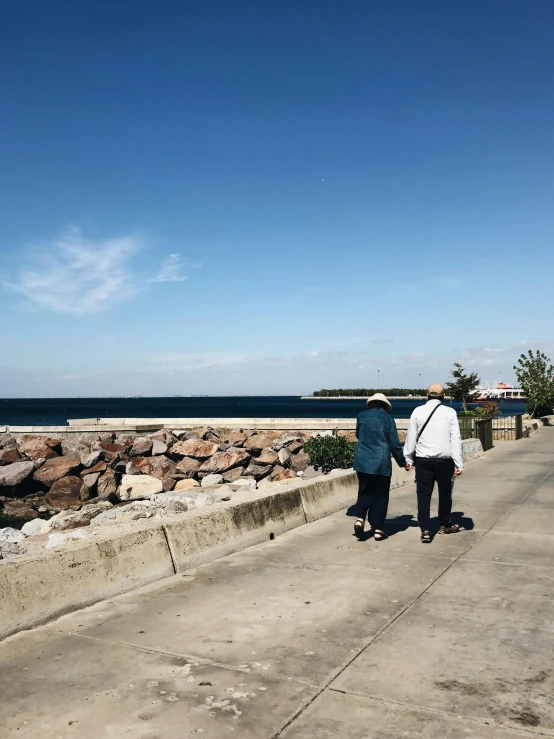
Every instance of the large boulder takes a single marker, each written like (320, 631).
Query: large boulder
(8, 456)
(38, 447)
(158, 447)
(65, 521)
(158, 467)
(98, 467)
(35, 527)
(211, 480)
(137, 487)
(237, 437)
(188, 466)
(196, 448)
(258, 471)
(55, 469)
(11, 535)
(141, 447)
(186, 484)
(232, 475)
(21, 508)
(89, 459)
(15, 473)
(299, 462)
(287, 439)
(106, 487)
(268, 456)
(223, 461)
(260, 441)
(65, 493)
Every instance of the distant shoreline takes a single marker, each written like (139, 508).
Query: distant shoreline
(364, 397)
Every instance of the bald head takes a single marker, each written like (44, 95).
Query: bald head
(435, 391)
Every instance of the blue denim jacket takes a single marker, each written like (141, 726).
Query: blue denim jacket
(377, 439)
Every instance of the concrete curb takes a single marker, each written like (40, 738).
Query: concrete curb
(35, 589)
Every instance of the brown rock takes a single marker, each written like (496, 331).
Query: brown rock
(188, 466)
(106, 485)
(65, 492)
(258, 471)
(299, 462)
(277, 470)
(232, 475)
(37, 447)
(186, 484)
(7, 456)
(260, 441)
(223, 461)
(295, 446)
(56, 468)
(18, 508)
(108, 446)
(268, 456)
(89, 481)
(237, 437)
(168, 483)
(141, 447)
(158, 467)
(194, 448)
(98, 467)
(284, 475)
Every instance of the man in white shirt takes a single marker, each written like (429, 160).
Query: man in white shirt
(434, 445)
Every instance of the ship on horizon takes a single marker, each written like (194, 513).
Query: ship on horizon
(501, 393)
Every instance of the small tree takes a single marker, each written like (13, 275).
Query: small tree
(534, 374)
(464, 386)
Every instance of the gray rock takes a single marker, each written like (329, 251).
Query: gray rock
(141, 447)
(258, 471)
(35, 527)
(10, 549)
(89, 459)
(286, 439)
(15, 473)
(210, 480)
(11, 535)
(158, 447)
(284, 457)
(136, 487)
(65, 521)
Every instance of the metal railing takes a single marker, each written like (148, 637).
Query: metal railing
(509, 428)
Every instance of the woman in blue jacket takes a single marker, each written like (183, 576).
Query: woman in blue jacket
(377, 440)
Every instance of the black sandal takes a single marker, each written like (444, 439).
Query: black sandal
(452, 528)
(359, 528)
(426, 537)
(379, 535)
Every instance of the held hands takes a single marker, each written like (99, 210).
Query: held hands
(408, 467)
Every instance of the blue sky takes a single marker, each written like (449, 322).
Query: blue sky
(252, 197)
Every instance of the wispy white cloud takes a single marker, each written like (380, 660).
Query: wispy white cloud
(80, 276)
(170, 270)
(74, 275)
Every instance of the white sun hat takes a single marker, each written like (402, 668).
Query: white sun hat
(382, 398)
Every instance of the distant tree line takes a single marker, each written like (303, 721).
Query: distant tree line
(364, 391)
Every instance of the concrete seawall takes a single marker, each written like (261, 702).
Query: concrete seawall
(37, 589)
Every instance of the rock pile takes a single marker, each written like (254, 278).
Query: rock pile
(61, 484)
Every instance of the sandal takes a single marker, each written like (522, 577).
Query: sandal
(426, 537)
(452, 528)
(379, 535)
(359, 528)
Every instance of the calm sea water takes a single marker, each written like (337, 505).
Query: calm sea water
(56, 411)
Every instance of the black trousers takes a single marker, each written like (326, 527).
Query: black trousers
(429, 472)
(373, 498)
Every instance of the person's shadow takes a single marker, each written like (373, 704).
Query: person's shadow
(398, 524)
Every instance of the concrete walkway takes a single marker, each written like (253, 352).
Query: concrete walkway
(317, 635)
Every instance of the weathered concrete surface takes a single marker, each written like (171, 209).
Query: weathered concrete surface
(317, 635)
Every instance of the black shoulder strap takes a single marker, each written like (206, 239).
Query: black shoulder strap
(427, 421)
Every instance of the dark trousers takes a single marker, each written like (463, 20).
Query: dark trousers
(429, 472)
(373, 498)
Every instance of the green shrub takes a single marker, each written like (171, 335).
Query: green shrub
(330, 452)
